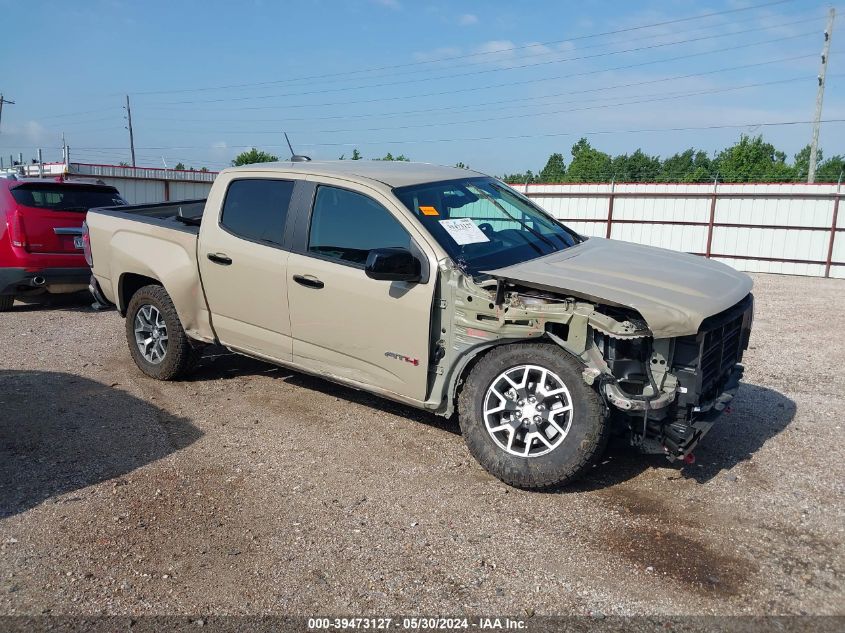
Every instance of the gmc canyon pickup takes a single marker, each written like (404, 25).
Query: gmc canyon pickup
(441, 288)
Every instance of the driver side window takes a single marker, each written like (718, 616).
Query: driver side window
(346, 225)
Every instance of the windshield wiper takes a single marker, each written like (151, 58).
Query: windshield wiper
(515, 219)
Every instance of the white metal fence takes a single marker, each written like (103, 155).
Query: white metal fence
(777, 228)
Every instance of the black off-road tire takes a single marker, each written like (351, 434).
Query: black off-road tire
(6, 302)
(181, 356)
(583, 444)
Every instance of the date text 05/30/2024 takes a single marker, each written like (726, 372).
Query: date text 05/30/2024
(416, 623)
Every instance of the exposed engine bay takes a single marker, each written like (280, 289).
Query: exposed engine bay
(665, 392)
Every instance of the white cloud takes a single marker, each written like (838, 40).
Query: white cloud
(468, 19)
(443, 52)
(501, 53)
(30, 132)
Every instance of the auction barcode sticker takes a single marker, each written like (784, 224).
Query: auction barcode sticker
(464, 231)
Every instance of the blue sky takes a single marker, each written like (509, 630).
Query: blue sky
(497, 85)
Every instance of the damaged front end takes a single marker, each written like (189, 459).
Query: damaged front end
(666, 392)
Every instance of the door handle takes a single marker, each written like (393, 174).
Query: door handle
(309, 281)
(220, 258)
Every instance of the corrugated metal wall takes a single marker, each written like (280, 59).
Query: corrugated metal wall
(140, 185)
(776, 228)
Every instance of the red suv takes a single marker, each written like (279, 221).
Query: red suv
(41, 247)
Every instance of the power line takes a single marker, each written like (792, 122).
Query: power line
(636, 100)
(478, 54)
(500, 138)
(509, 84)
(544, 53)
(519, 67)
(509, 100)
(345, 75)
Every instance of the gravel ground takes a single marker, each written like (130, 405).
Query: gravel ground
(251, 489)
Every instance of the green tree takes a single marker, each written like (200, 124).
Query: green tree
(180, 166)
(461, 165)
(526, 177)
(636, 167)
(253, 156)
(588, 164)
(554, 171)
(203, 169)
(752, 160)
(831, 170)
(391, 157)
(801, 166)
(688, 166)
(356, 155)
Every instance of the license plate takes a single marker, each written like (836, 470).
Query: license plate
(77, 242)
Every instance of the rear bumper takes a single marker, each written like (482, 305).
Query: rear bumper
(20, 280)
(94, 289)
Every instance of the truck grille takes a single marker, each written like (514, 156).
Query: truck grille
(703, 361)
(721, 349)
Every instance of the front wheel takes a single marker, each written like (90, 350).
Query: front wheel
(157, 341)
(6, 302)
(528, 417)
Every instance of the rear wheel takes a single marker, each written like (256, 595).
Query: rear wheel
(528, 417)
(6, 302)
(157, 341)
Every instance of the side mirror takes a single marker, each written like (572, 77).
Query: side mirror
(393, 264)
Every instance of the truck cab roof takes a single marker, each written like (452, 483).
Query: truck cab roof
(390, 173)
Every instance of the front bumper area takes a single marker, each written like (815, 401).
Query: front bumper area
(21, 281)
(679, 438)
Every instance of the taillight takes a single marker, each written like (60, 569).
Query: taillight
(16, 230)
(86, 245)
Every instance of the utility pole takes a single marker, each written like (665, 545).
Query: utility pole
(131, 135)
(814, 144)
(2, 101)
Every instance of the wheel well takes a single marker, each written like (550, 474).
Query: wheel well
(130, 283)
(460, 380)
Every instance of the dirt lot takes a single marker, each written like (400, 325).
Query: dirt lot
(250, 489)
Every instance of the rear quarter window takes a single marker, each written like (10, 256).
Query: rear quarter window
(256, 209)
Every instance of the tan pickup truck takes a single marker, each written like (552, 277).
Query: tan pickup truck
(441, 288)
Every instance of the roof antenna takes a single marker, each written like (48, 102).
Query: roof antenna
(294, 157)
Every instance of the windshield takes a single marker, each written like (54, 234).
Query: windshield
(484, 224)
(65, 197)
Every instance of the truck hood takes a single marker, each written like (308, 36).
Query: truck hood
(674, 292)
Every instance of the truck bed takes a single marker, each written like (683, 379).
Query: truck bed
(182, 214)
(151, 243)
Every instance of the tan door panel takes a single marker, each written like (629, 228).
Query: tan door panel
(244, 283)
(374, 332)
(370, 331)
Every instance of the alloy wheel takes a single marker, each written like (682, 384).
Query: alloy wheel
(528, 410)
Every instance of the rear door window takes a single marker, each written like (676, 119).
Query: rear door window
(256, 209)
(346, 225)
(65, 197)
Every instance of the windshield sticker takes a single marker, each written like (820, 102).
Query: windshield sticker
(429, 211)
(464, 231)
